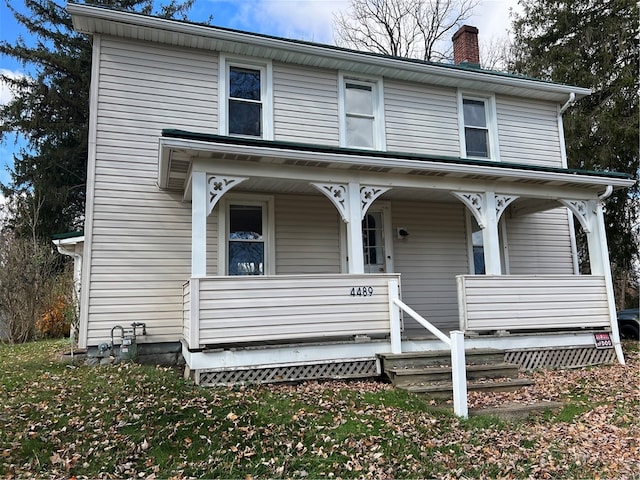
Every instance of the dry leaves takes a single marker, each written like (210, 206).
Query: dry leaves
(140, 422)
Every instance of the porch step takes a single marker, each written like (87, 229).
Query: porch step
(475, 356)
(444, 390)
(429, 373)
(401, 377)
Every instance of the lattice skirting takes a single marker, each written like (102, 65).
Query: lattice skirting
(288, 373)
(570, 357)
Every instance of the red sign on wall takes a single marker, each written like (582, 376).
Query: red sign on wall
(603, 340)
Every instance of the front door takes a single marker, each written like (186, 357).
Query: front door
(376, 240)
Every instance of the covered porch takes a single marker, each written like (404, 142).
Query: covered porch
(350, 315)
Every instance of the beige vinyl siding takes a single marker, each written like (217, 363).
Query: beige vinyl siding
(249, 309)
(307, 235)
(528, 131)
(540, 243)
(305, 105)
(141, 236)
(429, 260)
(421, 119)
(533, 302)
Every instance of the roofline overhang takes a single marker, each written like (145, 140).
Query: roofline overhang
(340, 58)
(400, 163)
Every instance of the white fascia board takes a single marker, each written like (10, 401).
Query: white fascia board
(167, 144)
(86, 19)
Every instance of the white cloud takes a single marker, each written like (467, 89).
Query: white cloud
(5, 92)
(492, 19)
(310, 20)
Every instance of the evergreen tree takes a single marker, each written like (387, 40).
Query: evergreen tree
(594, 44)
(51, 111)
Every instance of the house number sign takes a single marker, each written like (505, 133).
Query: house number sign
(361, 291)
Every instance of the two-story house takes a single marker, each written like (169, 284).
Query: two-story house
(284, 209)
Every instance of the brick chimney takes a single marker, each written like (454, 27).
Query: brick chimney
(465, 46)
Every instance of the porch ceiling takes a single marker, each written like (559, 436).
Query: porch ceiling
(288, 168)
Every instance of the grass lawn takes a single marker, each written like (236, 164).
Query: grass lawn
(61, 420)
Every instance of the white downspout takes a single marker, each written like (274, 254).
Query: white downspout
(571, 101)
(563, 156)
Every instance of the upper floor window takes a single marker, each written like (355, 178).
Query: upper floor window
(361, 121)
(245, 98)
(477, 127)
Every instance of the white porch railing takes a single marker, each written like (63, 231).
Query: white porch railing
(532, 302)
(228, 310)
(455, 343)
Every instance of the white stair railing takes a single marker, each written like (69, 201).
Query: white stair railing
(455, 343)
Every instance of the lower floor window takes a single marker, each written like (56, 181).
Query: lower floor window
(246, 240)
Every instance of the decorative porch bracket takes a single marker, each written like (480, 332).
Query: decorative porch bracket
(591, 217)
(352, 201)
(206, 191)
(217, 186)
(337, 193)
(487, 208)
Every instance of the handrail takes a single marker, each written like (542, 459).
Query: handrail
(418, 318)
(455, 343)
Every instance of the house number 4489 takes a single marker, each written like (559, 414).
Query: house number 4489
(361, 291)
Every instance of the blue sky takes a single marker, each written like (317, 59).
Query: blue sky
(299, 19)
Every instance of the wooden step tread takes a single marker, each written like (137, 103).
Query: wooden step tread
(439, 353)
(447, 387)
(399, 371)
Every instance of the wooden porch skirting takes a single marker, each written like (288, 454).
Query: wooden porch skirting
(288, 373)
(559, 357)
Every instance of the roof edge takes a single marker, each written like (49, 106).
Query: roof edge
(307, 147)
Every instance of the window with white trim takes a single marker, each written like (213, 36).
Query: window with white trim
(361, 120)
(477, 123)
(245, 98)
(246, 235)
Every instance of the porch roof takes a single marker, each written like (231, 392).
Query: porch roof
(178, 148)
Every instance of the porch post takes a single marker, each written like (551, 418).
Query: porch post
(490, 237)
(590, 215)
(486, 208)
(600, 265)
(354, 229)
(198, 224)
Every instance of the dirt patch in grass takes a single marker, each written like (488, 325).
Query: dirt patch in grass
(60, 420)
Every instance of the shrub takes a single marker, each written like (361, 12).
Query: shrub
(56, 320)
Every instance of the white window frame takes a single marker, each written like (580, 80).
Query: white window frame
(266, 89)
(268, 229)
(379, 138)
(492, 124)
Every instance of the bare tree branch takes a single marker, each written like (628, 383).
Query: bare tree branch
(404, 28)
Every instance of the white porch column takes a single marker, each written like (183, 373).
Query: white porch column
(490, 238)
(354, 229)
(487, 208)
(590, 214)
(199, 203)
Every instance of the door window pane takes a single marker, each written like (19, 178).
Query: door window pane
(373, 242)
